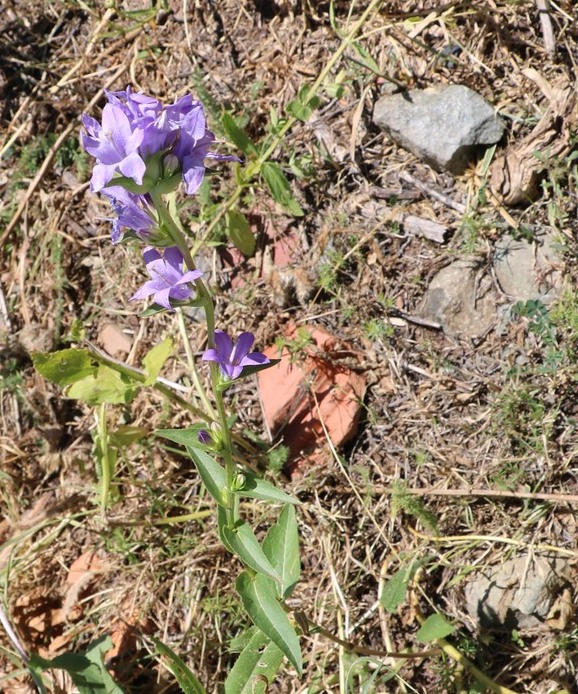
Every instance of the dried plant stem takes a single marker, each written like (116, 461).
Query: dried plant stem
(201, 392)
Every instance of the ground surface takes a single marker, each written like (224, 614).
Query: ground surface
(448, 416)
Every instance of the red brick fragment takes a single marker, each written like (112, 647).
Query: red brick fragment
(302, 395)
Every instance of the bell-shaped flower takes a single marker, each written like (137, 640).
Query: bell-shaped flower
(233, 358)
(170, 279)
(114, 145)
(131, 210)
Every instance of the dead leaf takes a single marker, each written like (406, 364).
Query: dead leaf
(515, 175)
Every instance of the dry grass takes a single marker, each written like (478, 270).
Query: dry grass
(440, 414)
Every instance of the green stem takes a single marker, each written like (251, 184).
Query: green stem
(208, 306)
(105, 466)
(192, 365)
(227, 448)
(255, 166)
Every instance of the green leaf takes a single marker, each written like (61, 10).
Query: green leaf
(255, 668)
(126, 435)
(65, 366)
(237, 135)
(213, 475)
(257, 488)
(281, 546)
(86, 670)
(259, 600)
(395, 589)
(239, 232)
(188, 683)
(280, 188)
(303, 106)
(154, 360)
(186, 437)
(106, 386)
(436, 626)
(245, 545)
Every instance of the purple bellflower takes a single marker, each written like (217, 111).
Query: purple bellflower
(169, 278)
(135, 127)
(132, 213)
(114, 145)
(232, 359)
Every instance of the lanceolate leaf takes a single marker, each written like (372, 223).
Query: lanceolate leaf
(188, 683)
(280, 188)
(281, 545)
(237, 135)
(259, 600)
(239, 232)
(257, 488)
(186, 437)
(436, 626)
(245, 545)
(213, 475)
(154, 360)
(255, 667)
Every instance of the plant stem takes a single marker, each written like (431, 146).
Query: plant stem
(208, 306)
(202, 393)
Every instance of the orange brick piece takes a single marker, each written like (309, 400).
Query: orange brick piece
(308, 391)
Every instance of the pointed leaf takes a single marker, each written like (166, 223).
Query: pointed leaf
(106, 386)
(237, 135)
(86, 670)
(257, 488)
(436, 626)
(155, 358)
(245, 545)
(280, 188)
(186, 437)
(188, 683)
(65, 366)
(281, 545)
(256, 667)
(213, 475)
(259, 600)
(239, 232)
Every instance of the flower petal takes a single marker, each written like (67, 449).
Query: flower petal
(242, 347)
(223, 345)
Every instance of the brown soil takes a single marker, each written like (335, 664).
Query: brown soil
(466, 449)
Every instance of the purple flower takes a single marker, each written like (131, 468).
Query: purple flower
(132, 213)
(135, 127)
(114, 145)
(204, 437)
(169, 278)
(232, 359)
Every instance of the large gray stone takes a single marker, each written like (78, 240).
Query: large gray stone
(460, 297)
(518, 594)
(529, 270)
(444, 125)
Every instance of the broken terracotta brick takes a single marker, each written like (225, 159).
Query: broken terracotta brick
(309, 394)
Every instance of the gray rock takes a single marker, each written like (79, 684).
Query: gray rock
(444, 125)
(527, 271)
(518, 594)
(460, 297)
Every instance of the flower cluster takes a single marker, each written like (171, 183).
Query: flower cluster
(169, 280)
(141, 144)
(143, 149)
